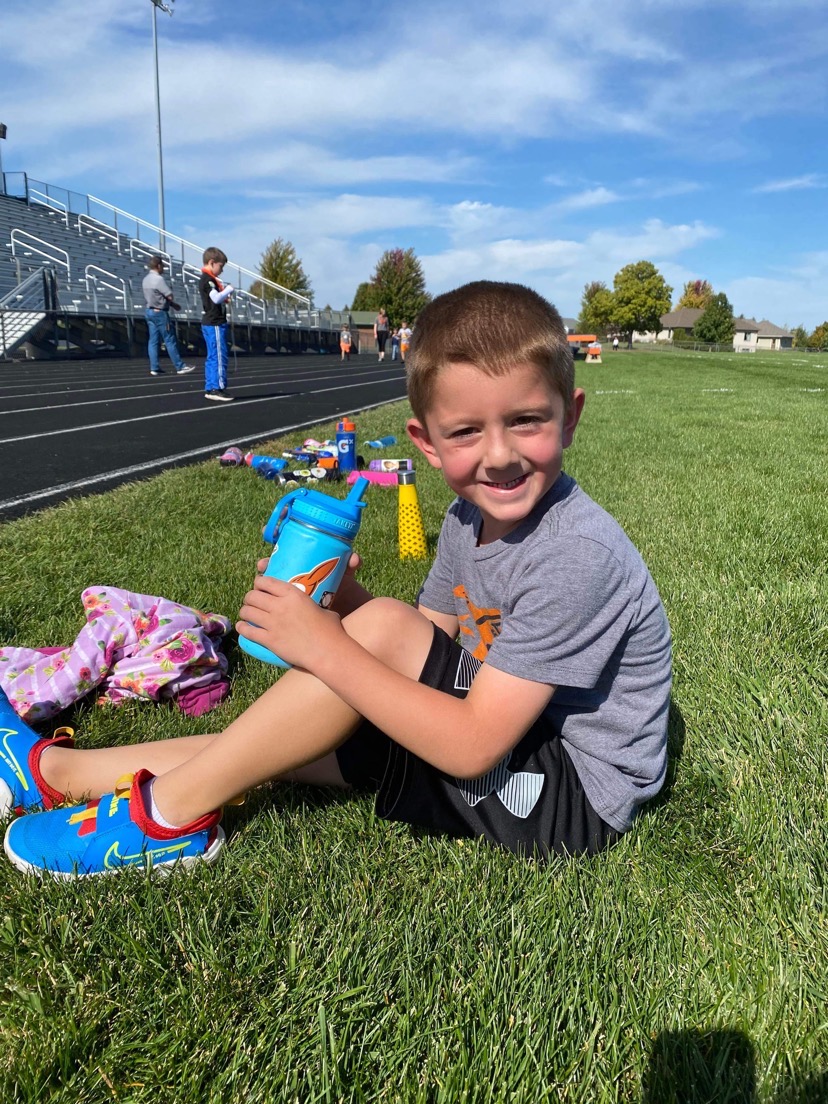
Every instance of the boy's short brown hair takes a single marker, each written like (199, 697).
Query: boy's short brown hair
(213, 253)
(493, 326)
(156, 262)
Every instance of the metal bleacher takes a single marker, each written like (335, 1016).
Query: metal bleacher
(71, 268)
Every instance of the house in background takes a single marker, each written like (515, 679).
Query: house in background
(748, 334)
(745, 331)
(683, 319)
(769, 336)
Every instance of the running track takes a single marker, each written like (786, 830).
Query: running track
(76, 427)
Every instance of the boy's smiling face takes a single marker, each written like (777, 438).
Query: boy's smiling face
(498, 440)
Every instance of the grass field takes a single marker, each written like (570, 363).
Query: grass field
(330, 956)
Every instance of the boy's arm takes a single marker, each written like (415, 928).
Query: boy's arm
(464, 737)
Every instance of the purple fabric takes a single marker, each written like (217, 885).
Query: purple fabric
(132, 646)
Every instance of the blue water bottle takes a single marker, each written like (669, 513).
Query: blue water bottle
(346, 444)
(312, 535)
(381, 442)
(266, 466)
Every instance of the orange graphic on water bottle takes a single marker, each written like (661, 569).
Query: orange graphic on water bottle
(308, 581)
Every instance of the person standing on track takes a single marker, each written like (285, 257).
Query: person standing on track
(381, 331)
(214, 295)
(159, 299)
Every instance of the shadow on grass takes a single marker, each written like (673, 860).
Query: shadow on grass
(284, 797)
(701, 1067)
(715, 1067)
(675, 750)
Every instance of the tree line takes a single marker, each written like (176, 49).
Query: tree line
(639, 297)
(397, 283)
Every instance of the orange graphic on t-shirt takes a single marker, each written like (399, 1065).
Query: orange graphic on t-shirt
(484, 624)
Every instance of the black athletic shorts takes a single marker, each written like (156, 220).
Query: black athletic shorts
(532, 803)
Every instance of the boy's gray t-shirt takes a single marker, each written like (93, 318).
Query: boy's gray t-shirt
(566, 599)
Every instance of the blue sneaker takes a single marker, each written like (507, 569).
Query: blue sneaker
(22, 786)
(109, 834)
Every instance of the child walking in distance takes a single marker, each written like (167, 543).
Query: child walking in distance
(159, 299)
(345, 343)
(214, 296)
(523, 699)
(405, 340)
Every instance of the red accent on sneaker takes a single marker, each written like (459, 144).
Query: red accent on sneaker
(139, 815)
(89, 826)
(50, 796)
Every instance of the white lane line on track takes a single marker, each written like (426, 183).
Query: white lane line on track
(148, 465)
(236, 387)
(194, 410)
(62, 384)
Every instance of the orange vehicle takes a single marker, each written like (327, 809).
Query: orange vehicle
(580, 342)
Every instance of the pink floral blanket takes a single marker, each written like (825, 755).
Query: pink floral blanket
(132, 646)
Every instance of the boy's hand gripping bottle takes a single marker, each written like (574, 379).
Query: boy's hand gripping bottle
(312, 544)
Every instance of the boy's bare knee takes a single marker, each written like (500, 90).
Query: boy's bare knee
(394, 632)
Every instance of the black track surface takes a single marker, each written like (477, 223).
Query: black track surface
(77, 427)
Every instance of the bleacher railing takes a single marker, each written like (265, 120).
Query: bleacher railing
(131, 234)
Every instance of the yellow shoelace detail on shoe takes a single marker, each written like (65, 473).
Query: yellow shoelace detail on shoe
(86, 813)
(122, 790)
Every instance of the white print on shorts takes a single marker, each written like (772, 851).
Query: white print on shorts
(518, 792)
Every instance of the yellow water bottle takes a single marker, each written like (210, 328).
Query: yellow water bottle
(411, 531)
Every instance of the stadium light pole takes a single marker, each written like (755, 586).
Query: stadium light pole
(3, 132)
(156, 4)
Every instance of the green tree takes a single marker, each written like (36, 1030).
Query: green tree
(640, 297)
(716, 324)
(280, 264)
(800, 337)
(819, 338)
(366, 298)
(596, 308)
(696, 295)
(398, 284)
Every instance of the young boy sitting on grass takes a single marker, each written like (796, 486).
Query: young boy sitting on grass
(523, 700)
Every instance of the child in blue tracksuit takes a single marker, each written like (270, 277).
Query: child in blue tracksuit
(214, 294)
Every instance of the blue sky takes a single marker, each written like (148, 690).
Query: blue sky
(540, 142)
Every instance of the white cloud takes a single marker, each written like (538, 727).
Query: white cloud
(796, 183)
(342, 216)
(593, 197)
(793, 296)
(560, 267)
(655, 241)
